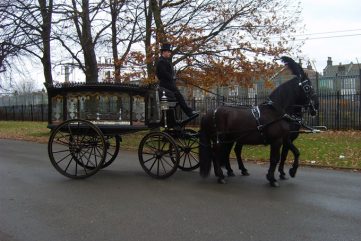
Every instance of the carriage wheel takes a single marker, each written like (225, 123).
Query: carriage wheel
(112, 145)
(188, 144)
(158, 155)
(77, 148)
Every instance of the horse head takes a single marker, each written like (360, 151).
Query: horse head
(308, 97)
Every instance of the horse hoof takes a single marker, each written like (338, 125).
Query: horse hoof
(270, 178)
(293, 172)
(283, 177)
(222, 181)
(274, 184)
(245, 173)
(230, 174)
(272, 181)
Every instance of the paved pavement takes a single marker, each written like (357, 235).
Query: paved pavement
(123, 203)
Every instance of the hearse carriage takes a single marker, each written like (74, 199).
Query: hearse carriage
(88, 122)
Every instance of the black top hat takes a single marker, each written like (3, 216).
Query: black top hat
(166, 47)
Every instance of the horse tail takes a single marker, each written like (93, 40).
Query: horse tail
(205, 149)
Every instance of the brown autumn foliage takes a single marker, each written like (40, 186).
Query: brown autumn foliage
(218, 42)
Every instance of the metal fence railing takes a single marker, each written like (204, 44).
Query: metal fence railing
(24, 112)
(337, 111)
(340, 108)
(36, 98)
(24, 107)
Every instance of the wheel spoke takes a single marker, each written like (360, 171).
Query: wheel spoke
(60, 140)
(66, 169)
(151, 167)
(63, 158)
(191, 154)
(61, 151)
(150, 146)
(166, 161)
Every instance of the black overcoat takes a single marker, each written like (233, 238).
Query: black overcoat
(165, 74)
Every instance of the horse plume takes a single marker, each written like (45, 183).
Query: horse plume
(294, 67)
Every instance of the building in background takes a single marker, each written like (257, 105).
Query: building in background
(340, 77)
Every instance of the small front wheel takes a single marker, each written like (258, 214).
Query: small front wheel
(188, 145)
(158, 155)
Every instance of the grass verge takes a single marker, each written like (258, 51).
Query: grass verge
(336, 149)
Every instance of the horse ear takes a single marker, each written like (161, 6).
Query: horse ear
(295, 67)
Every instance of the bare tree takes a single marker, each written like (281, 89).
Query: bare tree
(215, 40)
(125, 16)
(23, 86)
(12, 40)
(27, 28)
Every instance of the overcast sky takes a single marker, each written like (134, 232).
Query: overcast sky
(337, 18)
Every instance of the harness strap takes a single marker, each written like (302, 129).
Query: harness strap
(260, 127)
(274, 105)
(215, 124)
(257, 115)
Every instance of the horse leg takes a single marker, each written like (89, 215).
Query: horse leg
(225, 158)
(296, 154)
(205, 152)
(284, 152)
(274, 158)
(238, 151)
(217, 163)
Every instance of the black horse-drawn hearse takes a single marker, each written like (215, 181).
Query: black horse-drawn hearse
(89, 120)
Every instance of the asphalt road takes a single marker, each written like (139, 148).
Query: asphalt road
(123, 203)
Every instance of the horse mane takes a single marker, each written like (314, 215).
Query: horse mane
(294, 67)
(280, 92)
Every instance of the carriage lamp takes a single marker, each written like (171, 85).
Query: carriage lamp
(164, 107)
(164, 102)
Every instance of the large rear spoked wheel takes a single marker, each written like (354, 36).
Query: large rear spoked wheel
(77, 148)
(158, 155)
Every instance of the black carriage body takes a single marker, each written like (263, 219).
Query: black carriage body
(87, 121)
(115, 108)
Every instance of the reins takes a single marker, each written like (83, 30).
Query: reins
(217, 95)
(260, 127)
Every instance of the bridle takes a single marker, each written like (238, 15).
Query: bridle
(307, 90)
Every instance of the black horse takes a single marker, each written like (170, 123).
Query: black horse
(265, 124)
(296, 113)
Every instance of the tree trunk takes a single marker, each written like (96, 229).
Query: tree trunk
(91, 66)
(114, 14)
(156, 9)
(46, 13)
(148, 36)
